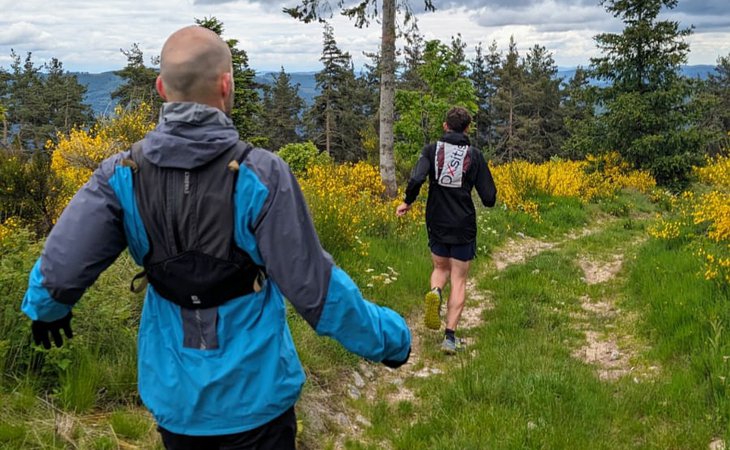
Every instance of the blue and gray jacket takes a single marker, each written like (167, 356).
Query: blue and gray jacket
(248, 371)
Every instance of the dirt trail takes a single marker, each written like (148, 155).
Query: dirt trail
(375, 381)
(608, 352)
(522, 248)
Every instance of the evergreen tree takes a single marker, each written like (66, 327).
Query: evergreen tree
(717, 88)
(410, 79)
(4, 120)
(246, 103)
(484, 76)
(65, 98)
(138, 81)
(280, 116)
(39, 105)
(458, 47)
(338, 114)
(509, 103)
(578, 100)
(543, 127)
(362, 11)
(646, 114)
(4, 88)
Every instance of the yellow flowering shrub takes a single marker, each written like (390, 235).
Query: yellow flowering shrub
(713, 209)
(665, 229)
(77, 155)
(7, 228)
(519, 182)
(616, 172)
(716, 172)
(347, 203)
(704, 219)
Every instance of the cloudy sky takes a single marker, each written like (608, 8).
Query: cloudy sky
(87, 35)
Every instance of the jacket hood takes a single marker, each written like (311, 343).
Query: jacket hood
(455, 138)
(188, 135)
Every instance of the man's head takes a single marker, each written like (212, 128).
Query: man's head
(457, 119)
(195, 66)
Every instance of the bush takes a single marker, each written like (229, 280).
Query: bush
(521, 183)
(29, 190)
(18, 252)
(301, 157)
(347, 203)
(77, 155)
(105, 323)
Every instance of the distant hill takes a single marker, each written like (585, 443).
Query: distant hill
(698, 71)
(99, 86)
(307, 84)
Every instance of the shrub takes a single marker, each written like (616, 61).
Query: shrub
(716, 172)
(302, 156)
(521, 183)
(347, 203)
(77, 155)
(703, 220)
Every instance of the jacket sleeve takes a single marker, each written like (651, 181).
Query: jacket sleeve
(87, 238)
(484, 182)
(419, 175)
(322, 293)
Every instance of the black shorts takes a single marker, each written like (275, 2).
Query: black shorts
(278, 434)
(462, 252)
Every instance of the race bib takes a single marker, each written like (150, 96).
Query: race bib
(450, 164)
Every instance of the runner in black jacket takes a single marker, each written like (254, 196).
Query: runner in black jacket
(453, 168)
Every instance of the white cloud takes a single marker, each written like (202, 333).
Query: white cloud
(87, 34)
(22, 34)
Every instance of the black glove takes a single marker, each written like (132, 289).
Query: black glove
(41, 331)
(395, 364)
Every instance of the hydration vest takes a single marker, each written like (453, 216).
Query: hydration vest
(193, 260)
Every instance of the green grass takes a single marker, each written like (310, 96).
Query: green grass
(517, 386)
(130, 425)
(522, 388)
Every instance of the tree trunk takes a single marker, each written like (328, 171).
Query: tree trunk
(509, 132)
(387, 99)
(327, 130)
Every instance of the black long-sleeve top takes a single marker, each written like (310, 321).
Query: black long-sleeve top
(453, 168)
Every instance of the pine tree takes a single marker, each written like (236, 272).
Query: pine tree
(413, 59)
(4, 88)
(578, 101)
(362, 12)
(544, 125)
(646, 115)
(280, 115)
(246, 103)
(509, 101)
(138, 81)
(65, 98)
(41, 102)
(484, 70)
(40, 105)
(340, 112)
(718, 112)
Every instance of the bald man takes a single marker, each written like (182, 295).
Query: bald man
(224, 235)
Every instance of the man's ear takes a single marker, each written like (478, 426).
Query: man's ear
(446, 127)
(160, 87)
(226, 84)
